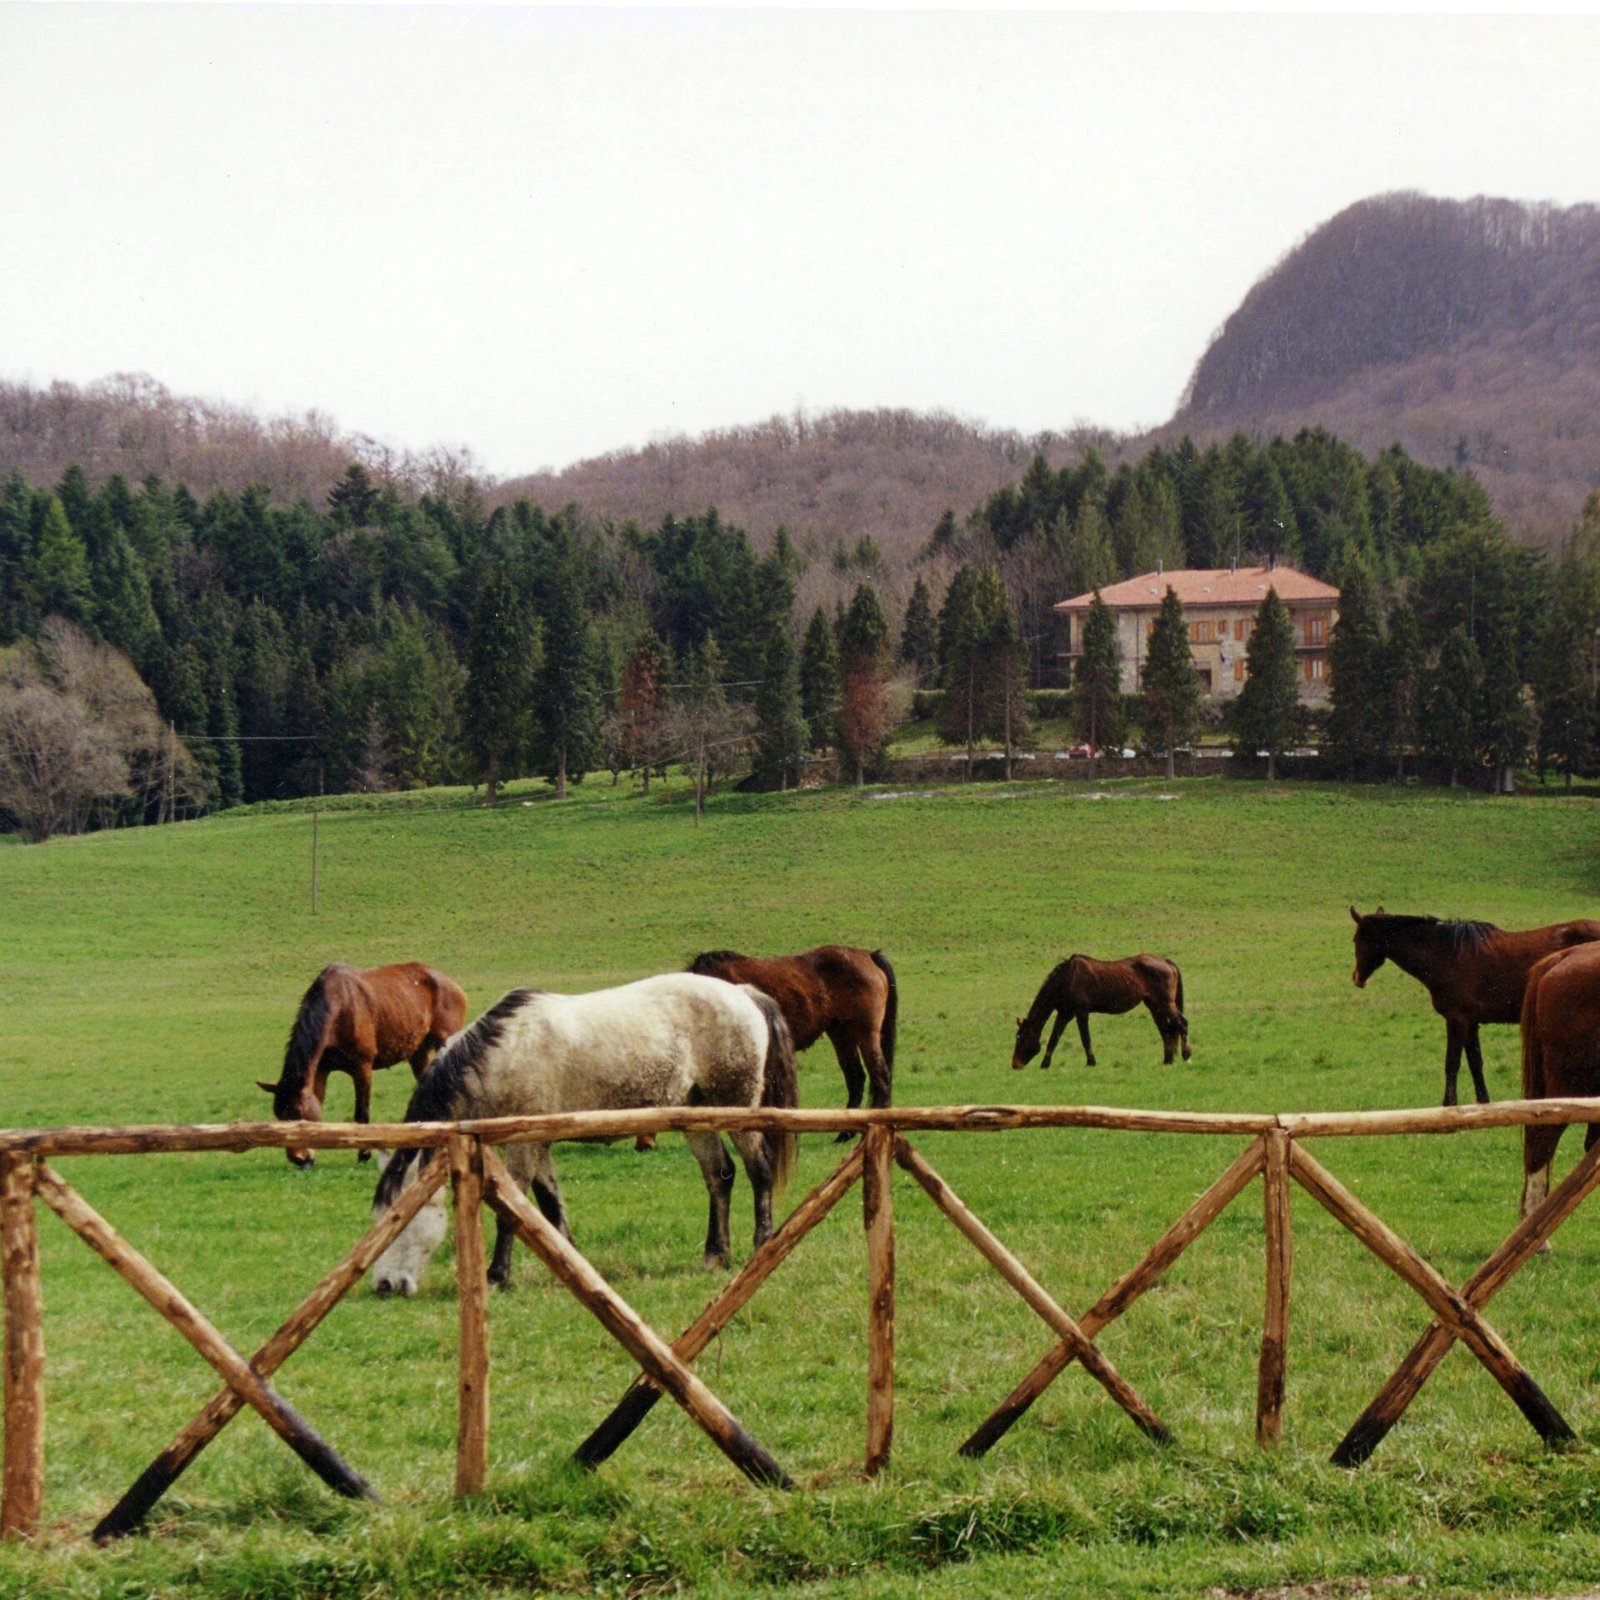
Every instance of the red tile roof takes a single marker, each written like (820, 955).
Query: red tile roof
(1209, 586)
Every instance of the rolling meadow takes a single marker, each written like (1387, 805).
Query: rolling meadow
(151, 975)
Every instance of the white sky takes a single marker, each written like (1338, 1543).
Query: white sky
(544, 234)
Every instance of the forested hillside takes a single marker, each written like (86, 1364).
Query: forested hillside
(162, 654)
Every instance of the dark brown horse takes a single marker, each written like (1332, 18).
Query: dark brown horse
(353, 1021)
(1474, 972)
(845, 993)
(1080, 984)
(1560, 1053)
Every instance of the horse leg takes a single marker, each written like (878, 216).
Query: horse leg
(1083, 1033)
(361, 1074)
(1475, 1062)
(1060, 1027)
(1538, 1158)
(531, 1166)
(752, 1149)
(855, 1079)
(716, 1165)
(1169, 1034)
(1454, 1037)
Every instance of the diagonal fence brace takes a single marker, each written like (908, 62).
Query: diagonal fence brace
(641, 1396)
(1452, 1309)
(627, 1327)
(135, 1505)
(1122, 1294)
(1388, 1405)
(1020, 1279)
(165, 1296)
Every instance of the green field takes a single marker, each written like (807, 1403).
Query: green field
(151, 976)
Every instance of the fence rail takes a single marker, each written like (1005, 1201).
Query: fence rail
(478, 1177)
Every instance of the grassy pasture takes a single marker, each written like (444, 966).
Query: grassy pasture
(152, 976)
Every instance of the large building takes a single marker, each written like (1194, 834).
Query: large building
(1220, 608)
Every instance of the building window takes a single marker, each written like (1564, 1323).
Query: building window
(1316, 667)
(1316, 630)
(1207, 632)
(1243, 628)
(1238, 669)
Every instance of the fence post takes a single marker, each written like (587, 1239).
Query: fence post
(1275, 1324)
(23, 1492)
(878, 1147)
(472, 1293)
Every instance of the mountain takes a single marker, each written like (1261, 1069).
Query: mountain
(1469, 331)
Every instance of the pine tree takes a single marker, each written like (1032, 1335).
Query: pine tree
(1563, 683)
(985, 670)
(1267, 714)
(1405, 673)
(1170, 687)
(863, 720)
(1361, 717)
(819, 680)
(1097, 683)
(566, 687)
(1449, 730)
(502, 665)
(1503, 722)
(58, 572)
(781, 732)
(919, 634)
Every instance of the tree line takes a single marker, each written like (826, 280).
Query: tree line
(392, 638)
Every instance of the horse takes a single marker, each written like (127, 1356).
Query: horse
(835, 989)
(673, 1040)
(356, 1021)
(1080, 984)
(1560, 1053)
(1474, 972)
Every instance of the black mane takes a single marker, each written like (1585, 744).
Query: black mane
(441, 1087)
(1454, 936)
(310, 1023)
(707, 961)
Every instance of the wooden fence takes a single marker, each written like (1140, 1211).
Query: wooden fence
(1275, 1152)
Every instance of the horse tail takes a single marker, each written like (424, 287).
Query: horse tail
(1533, 1084)
(1177, 973)
(305, 1041)
(891, 1009)
(780, 1088)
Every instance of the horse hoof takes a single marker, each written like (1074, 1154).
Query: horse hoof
(499, 1283)
(843, 1138)
(715, 1263)
(1090, 1061)
(363, 1155)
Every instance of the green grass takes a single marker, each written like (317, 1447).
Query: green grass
(151, 976)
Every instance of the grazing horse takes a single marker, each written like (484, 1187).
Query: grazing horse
(1560, 1053)
(353, 1021)
(674, 1040)
(837, 990)
(1474, 972)
(1080, 984)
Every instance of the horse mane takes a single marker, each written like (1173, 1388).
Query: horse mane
(1457, 937)
(441, 1086)
(703, 963)
(310, 1023)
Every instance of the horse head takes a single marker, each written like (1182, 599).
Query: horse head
(294, 1105)
(399, 1269)
(1370, 951)
(1029, 1035)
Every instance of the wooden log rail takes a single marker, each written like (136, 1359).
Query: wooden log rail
(466, 1158)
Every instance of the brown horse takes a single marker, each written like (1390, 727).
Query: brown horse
(353, 1021)
(837, 990)
(1080, 984)
(1560, 1053)
(1474, 972)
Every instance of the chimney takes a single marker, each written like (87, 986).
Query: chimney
(1159, 566)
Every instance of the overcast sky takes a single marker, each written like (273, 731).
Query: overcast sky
(544, 234)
